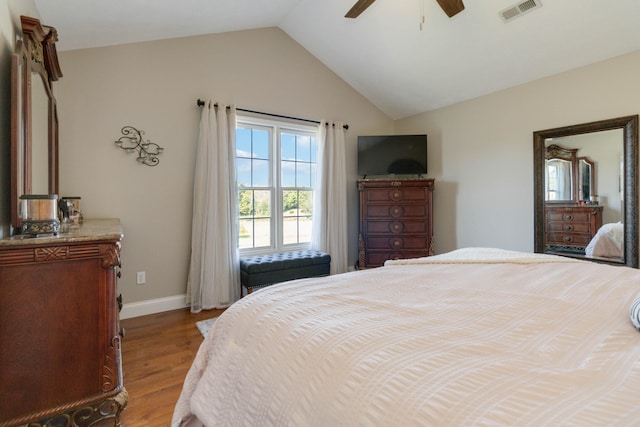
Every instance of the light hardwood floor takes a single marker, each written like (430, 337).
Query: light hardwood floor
(157, 351)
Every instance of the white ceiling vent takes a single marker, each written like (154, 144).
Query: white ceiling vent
(519, 9)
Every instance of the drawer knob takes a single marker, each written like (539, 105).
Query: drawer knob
(567, 238)
(396, 243)
(396, 195)
(396, 227)
(396, 211)
(567, 217)
(567, 227)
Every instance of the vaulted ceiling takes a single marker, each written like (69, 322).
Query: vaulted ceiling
(401, 64)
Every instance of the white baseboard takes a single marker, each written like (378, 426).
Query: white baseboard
(152, 306)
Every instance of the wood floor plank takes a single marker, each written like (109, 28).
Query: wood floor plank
(157, 351)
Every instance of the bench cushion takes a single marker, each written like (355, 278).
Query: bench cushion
(280, 267)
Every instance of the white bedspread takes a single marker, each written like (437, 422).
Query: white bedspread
(535, 341)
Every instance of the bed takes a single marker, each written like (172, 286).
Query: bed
(474, 337)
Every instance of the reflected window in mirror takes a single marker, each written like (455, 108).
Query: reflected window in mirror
(559, 180)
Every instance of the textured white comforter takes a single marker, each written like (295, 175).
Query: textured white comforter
(461, 339)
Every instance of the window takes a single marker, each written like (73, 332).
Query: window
(276, 167)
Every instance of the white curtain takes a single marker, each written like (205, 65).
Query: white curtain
(329, 232)
(214, 277)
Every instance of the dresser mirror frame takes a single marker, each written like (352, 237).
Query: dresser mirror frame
(34, 116)
(629, 126)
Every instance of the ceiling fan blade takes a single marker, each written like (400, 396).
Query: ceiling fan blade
(358, 8)
(451, 7)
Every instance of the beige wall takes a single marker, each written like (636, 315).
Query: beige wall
(481, 151)
(154, 87)
(10, 11)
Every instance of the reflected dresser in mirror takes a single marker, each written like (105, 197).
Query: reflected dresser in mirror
(570, 228)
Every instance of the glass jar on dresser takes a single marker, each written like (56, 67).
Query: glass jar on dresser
(60, 362)
(396, 220)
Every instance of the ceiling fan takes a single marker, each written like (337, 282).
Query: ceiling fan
(450, 7)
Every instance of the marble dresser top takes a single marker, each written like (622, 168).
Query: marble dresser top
(89, 229)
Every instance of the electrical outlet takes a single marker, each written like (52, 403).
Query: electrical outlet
(140, 278)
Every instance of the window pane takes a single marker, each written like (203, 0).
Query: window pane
(289, 230)
(260, 144)
(314, 170)
(303, 147)
(262, 233)
(305, 202)
(245, 234)
(304, 229)
(288, 173)
(303, 175)
(243, 172)
(287, 146)
(314, 149)
(290, 203)
(245, 203)
(261, 173)
(243, 142)
(262, 203)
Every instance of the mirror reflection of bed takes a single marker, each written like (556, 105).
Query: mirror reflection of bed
(583, 195)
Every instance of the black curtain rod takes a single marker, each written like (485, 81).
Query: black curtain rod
(201, 104)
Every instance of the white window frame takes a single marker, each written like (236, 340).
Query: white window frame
(275, 128)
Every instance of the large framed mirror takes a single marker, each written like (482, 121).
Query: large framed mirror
(586, 191)
(34, 118)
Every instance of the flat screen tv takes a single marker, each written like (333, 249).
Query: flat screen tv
(392, 155)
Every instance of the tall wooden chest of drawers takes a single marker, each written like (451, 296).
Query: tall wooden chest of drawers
(60, 362)
(571, 227)
(395, 220)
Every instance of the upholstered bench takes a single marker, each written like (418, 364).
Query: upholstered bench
(263, 270)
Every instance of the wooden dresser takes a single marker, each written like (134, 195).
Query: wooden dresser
(570, 227)
(395, 220)
(60, 362)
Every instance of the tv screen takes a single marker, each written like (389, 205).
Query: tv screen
(392, 154)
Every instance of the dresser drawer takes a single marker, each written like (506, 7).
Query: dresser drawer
(397, 243)
(394, 211)
(568, 216)
(386, 195)
(573, 227)
(568, 239)
(395, 227)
